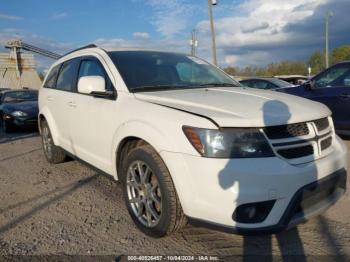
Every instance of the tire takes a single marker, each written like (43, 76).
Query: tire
(53, 154)
(168, 208)
(6, 127)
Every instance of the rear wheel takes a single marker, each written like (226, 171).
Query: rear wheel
(53, 154)
(150, 194)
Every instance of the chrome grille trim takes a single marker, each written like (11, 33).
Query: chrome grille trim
(314, 144)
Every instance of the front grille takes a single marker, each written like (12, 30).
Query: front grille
(295, 141)
(326, 143)
(321, 124)
(296, 152)
(286, 131)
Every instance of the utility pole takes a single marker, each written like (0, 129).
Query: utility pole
(193, 42)
(328, 15)
(213, 43)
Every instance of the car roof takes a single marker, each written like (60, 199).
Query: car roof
(258, 78)
(343, 62)
(290, 76)
(92, 47)
(17, 90)
(140, 49)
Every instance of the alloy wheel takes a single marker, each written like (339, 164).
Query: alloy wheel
(144, 194)
(47, 141)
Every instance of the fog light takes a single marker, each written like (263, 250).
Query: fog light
(253, 212)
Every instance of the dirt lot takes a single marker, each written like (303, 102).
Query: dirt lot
(69, 209)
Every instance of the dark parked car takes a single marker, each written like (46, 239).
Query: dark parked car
(2, 90)
(293, 79)
(265, 83)
(332, 88)
(18, 108)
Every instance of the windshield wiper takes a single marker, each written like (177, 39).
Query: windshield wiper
(165, 87)
(156, 88)
(218, 85)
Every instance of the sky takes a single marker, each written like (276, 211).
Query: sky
(248, 32)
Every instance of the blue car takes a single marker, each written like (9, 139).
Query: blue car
(18, 108)
(332, 88)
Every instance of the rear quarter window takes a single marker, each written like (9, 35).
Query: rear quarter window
(67, 77)
(52, 77)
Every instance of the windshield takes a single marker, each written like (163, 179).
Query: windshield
(280, 83)
(150, 71)
(20, 96)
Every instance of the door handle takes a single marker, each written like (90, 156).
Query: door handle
(72, 104)
(49, 98)
(345, 96)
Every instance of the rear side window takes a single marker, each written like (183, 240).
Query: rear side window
(93, 67)
(51, 78)
(67, 77)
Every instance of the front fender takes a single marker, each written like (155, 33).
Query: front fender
(139, 129)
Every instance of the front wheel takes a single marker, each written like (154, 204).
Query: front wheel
(53, 153)
(7, 128)
(149, 193)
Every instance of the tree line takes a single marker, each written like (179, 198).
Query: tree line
(290, 67)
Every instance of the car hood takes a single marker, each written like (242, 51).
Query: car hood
(30, 107)
(239, 106)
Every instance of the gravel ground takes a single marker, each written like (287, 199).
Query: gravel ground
(69, 209)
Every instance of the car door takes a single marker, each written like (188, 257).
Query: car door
(332, 87)
(56, 94)
(93, 122)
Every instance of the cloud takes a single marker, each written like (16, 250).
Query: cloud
(265, 31)
(172, 17)
(254, 26)
(253, 32)
(10, 17)
(141, 35)
(59, 15)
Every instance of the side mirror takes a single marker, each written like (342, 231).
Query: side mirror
(91, 84)
(309, 85)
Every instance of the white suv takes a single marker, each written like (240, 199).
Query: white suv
(190, 144)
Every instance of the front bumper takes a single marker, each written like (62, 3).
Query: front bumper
(210, 190)
(310, 200)
(27, 121)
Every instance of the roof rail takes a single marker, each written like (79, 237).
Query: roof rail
(80, 48)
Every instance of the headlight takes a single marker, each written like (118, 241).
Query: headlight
(229, 142)
(18, 113)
